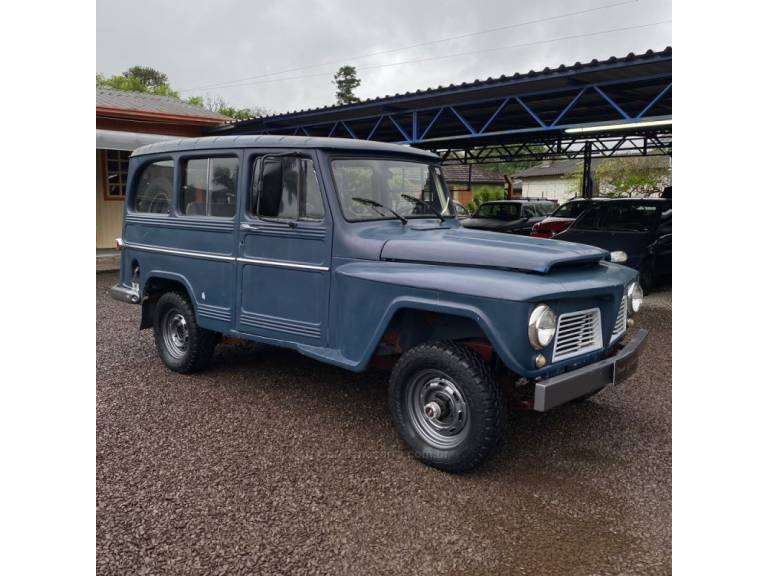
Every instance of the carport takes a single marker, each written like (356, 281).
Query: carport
(601, 109)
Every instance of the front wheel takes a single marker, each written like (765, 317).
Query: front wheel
(183, 346)
(446, 406)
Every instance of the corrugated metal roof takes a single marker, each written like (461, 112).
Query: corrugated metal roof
(143, 102)
(459, 173)
(562, 70)
(261, 141)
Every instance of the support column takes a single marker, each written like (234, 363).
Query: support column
(587, 184)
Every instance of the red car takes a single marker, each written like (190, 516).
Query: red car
(561, 219)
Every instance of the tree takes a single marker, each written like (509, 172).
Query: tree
(346, 81)
(147, 76)
(137, 83)
(151, 81)
(631, 176)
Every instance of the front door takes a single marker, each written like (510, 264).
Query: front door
(284, 252)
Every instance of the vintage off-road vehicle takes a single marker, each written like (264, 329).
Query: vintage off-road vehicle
(349, 252)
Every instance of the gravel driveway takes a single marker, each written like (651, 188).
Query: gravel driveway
(272, 463)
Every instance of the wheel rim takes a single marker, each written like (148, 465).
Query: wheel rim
(175, 333)
(437, 409)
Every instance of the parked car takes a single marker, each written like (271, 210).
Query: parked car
(510, 216)
(562, 218)
(349, 252)
(637, 231)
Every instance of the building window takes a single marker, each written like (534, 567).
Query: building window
(116, 174)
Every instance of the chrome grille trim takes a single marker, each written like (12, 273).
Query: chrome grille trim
(621, 320)
(577, 333)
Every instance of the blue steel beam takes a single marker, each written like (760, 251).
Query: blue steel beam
(498, 105)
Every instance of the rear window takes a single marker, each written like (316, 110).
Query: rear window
(571, 210)
(499, 211)
(630, 216)
(154, 190)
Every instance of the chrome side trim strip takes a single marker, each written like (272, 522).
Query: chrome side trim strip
(210, 256)
(178, 252)
(283, 264)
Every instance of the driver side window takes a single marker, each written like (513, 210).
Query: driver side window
(286, 189)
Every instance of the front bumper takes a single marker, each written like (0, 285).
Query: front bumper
(568, 386)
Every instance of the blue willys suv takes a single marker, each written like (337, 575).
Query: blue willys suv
(349, 252)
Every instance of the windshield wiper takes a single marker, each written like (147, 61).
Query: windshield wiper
(421, 202)
(367, 202)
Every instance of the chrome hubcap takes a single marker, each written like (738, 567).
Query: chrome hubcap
(437, 409)
(175, 333)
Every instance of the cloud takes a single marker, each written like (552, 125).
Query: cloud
(198, 43)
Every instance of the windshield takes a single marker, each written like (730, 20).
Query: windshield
(385, 182)
(499, 211)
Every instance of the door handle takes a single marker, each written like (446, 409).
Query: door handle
(245, 226)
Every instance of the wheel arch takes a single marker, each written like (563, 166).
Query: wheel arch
(157, 283)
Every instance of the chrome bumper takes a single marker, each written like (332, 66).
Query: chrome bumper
(124, 294)
(568, 386)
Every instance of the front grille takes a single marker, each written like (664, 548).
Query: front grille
(577, 333)
(621, 320)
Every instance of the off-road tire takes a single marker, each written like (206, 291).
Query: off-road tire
(200, 343)
(484, 399)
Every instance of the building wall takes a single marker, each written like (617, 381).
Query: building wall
(554, 188)
(109, 213)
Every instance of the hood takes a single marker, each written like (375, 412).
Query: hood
(478, 248)
(492, 223)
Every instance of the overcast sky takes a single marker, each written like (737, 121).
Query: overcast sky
(198, 43)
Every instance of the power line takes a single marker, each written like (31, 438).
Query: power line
(459, 54)
(419, 45)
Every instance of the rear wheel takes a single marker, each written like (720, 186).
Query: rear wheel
(446, 406)
(182, 345)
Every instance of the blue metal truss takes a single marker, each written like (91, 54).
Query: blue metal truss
(533, 108)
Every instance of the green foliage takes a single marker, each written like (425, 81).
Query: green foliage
(346, 81)
(632, 176)
(485, 193)
(135, 84)
(147, 76)
(151, 81)
(219, 105)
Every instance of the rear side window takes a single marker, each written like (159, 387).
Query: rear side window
(154, 190)
(209, 187)
(286, 189)
(589, 220)
(571, 209)
(628, 216)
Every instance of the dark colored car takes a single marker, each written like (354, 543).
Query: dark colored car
(562, 218)
(637, 232)
(511, 216)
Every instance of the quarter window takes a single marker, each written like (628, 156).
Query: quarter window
(287, 189)
(154, 190)
(209, 187)
(117, 174)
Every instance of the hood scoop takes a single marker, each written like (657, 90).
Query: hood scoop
(475, 248)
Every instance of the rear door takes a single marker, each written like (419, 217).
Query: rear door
(284, 250)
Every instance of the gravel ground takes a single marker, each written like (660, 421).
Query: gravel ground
(272, 463)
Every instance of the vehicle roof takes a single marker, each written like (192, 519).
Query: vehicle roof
(604, 199)
(263, 141)
(518, 201)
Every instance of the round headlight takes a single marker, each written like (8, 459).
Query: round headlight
(541, 326)
(635, 297)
